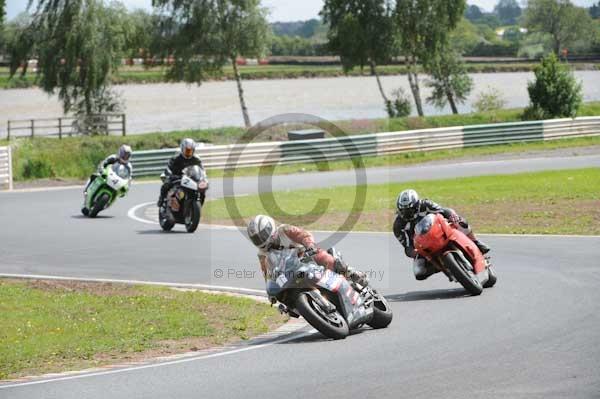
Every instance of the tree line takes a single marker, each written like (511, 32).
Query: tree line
(80, 43)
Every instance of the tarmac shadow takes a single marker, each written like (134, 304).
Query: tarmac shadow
(161, 232)
(318, 337)
(89, 218)
(430, 295)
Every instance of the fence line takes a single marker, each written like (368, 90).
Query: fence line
(147, 163)
(68, 125)
(6, 178)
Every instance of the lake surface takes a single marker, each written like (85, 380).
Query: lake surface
(168, 107)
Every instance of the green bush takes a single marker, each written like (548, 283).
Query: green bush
(555, 93)
(37, 169)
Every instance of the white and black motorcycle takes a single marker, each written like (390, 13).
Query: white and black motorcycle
(327, 300)
(183, 203)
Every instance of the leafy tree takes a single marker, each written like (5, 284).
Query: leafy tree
(142, 32)
(2, 12)
(595, 10)
(78, 44)
(362, 33)
(508, 11)
(565, 22)
(204, 35)
(424, 26)
(449, 80)
(490, 100)
(554, 92)
(473, 13)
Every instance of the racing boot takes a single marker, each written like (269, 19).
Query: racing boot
(484, 248)
(356, 276)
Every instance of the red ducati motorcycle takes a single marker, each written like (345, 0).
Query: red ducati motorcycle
(453, 253)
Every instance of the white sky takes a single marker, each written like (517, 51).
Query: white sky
(281, 10)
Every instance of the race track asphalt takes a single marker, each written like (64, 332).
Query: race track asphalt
(534, 335)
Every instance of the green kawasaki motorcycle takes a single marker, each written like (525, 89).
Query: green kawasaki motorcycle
(113, 182)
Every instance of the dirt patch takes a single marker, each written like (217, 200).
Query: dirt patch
(100, 289)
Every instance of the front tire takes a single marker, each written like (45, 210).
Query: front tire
(165, 222)
(467, 279)
(332, 325)
(382, 312)
(492, 279)
(192, 217)
(99, 205)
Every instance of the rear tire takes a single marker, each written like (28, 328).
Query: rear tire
(332, 325)
(492, 279)
(465, 278)
(192, 221)
(382, 313)
(99, 205)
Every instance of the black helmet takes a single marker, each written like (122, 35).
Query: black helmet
(408, 204)
(124, 153)
(188, 146)
(261, 230)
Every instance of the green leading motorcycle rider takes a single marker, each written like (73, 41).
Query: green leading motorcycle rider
(122, 157)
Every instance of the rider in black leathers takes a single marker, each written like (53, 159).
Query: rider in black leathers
(411, 210)
(176, 165)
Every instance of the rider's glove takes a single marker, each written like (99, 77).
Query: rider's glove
(454, 219)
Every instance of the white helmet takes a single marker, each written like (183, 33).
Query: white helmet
(408, 204)
(261, 231)
(124, 153)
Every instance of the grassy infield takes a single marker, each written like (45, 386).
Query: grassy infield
(55, 326)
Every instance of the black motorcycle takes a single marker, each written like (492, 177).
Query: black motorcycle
(183, 202)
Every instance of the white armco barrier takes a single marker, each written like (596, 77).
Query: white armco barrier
(5, 168)
(148, 163)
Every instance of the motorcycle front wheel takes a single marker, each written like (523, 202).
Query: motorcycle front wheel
(165, 222)
(382, 312)
(463, 274)
(332, 325)
(99, 205)
(192, 217)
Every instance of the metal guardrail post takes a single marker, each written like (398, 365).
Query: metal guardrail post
(60, 128)
(10, 173)
(124, 124)
(32, 128)
(8, 131)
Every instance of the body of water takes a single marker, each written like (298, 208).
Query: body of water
(168, 107)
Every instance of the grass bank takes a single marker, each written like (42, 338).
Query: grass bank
(77, 157)
(49, 326)
(140, 75)
(554, 202)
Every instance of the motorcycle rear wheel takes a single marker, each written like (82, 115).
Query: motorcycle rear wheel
(99, 205)
(382, 313)
(332, 325)
(468, 280)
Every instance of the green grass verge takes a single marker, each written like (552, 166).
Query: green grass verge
(138, 75)
(554, 202)
(57, 326)
(77, 157)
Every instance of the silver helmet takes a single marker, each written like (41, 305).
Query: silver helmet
(408, 204)
(124, 153)
(188, 147)
(261, 230)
